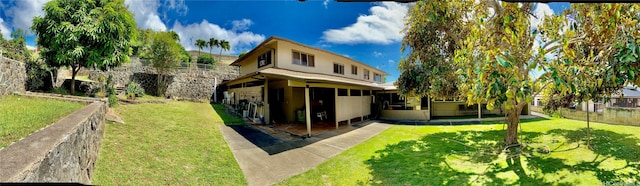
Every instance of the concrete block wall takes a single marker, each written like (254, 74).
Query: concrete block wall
(62, 152)
(13, 76)
(611, 115)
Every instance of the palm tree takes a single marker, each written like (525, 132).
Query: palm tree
(200, 44)
(213, 42)
(224, 45)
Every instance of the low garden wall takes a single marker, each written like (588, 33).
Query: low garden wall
(13, 76)
(62, 152)
(611, 115)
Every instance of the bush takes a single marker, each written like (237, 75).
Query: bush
(134, 90)
(206, 59)
(60, 90)
(113, 100)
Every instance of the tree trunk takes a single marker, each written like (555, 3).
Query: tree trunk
(73, 80)
(588, 128)
(513, 120)
(220, 56)
(158, 89)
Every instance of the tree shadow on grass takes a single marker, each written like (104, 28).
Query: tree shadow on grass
(227, 118)
(477, 157)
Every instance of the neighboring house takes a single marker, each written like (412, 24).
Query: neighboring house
(396, 107)
(629, 98)
(293, 82)
(288, 82)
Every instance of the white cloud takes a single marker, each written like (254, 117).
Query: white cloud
(4, 29)
(377, 54)
(176, 5)
(23, 12)
(146, 14)
(239, 40)
(241, 25)
(382, 26)
(541, 10)
(326, 3)
(391, 62)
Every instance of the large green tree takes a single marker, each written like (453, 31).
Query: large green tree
(598, 43)
(484, 52)
(85, 33)
(165, 54)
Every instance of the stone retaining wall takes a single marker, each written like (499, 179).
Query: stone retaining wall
(13, 76)
(611, 115)
(63, 152)
(189, 84)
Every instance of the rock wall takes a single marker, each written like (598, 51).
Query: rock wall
(190, 84)
(13, 76)
(62, 152)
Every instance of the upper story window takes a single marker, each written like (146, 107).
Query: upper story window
(354, 70)
(303, 59)
(264, 59)
(338, 68)
(377, 77)
(366, 74)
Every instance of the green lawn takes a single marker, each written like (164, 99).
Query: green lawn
(166, 144)
(226, 118)
(555, 154)
(21, 116)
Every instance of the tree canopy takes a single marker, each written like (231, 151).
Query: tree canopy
(80, 33)
(484, 52)
(165, 53)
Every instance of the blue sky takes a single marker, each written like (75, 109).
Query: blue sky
(367, 32)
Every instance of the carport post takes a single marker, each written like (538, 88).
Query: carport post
(479, 111)
(307, 105)
(335, 105)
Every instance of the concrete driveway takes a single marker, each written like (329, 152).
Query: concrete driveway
(266, 160)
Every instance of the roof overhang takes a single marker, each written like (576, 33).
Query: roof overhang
(303, 76)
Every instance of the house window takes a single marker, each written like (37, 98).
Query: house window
(366, 92)
(343, 92)
(264, 59)
(377, 77)
(338, 68)
(366, 74)
(303, 59)
(355, 92)
(354, 70)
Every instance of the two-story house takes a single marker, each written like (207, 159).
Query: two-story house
(293, 82)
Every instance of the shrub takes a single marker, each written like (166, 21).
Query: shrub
(206, 59)
(60, 90)
(113, 100)
(134, 90)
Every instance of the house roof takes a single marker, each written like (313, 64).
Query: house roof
(628, 92)
(272, 38)
(306, 76)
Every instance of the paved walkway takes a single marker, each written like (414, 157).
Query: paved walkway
(266, 160)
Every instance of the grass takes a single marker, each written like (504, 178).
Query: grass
(21, 116)
(228, 119)
(178, 143)
(554, 153)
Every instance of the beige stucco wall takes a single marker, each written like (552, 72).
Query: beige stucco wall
(247, 93)
(323, 62)
(405, 115)
(250, 64)
(349, 107)
(452, 109)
